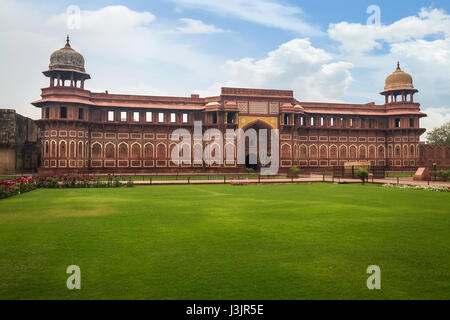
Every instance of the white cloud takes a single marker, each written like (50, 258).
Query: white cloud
(193, 26)
(359, 38)
(129, 35)
(112, 18)
(436, 118)
(436, 52)
(265, 12)
(295, 65)
(132, 52)
(421, 43)
(124, 50)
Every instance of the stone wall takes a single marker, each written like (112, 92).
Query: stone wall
(19, 143)
(430, 154)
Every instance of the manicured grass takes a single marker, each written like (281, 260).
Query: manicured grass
(226, 242)
(399, 174)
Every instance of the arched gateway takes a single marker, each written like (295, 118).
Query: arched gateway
(257, 142)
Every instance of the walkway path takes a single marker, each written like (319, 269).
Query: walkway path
(312, 178)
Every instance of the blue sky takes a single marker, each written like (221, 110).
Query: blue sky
(323, 50)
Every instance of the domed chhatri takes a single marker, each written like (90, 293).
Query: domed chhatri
(399, 80)
(398, 84)
(67, 65)
(67, 58)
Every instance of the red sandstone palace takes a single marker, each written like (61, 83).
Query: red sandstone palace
(83, 131)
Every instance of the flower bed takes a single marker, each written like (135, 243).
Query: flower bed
(17, 186)
(24, 184)
(427, 188)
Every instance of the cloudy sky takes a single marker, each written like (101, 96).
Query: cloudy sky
(323, 50)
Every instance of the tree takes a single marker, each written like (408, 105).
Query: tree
(294, 172)
(362, 174)
(440, 136)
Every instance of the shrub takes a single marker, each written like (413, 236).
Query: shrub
(130, 184)
(444, 174)
(117, 182)
(294, 172)
(362, 174)
(250, 170)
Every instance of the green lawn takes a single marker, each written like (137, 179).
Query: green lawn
(393, 174)
(226, 242)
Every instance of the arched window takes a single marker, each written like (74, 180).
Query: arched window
(123, 151)
(323, 152)
(285, 151)
(80, 150)
(53, 149)
(96, 151)
(161, 151)
(380, 152)
(372, 154)
(352, 152)
(136, 151)
(313, 152)
(62, 149)
(303, 152)
(72, 150)
(110, 151)
(398, 152)
(333, 152)
(148, 151)
(343, 152)
(362, 152)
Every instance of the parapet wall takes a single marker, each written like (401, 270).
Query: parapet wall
(430, 154)
(19, 143)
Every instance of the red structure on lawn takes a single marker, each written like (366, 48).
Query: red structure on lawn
(84, 131)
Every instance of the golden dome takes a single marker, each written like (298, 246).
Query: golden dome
(399, 80)
(67, 58)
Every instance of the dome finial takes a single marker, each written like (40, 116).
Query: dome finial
(398, 65)
(67, 42)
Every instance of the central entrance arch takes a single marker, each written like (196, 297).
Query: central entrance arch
(252, 160)
(250, 163)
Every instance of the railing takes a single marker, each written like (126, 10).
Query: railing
(378, 172)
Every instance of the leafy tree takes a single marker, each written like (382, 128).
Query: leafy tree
(294, 172)
(444, 174)
(250, 170)
(440, 136)
(363, 174)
